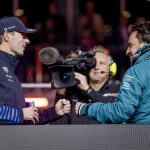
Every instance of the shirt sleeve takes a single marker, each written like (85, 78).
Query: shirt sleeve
(95, 96)
(98, 96)
(47, 115)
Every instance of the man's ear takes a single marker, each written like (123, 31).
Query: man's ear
(6, 36)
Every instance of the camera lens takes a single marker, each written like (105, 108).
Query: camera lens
(64, 77)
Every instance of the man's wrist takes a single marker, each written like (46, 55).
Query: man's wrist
(89, 90)
(86, 92)
(82, 111)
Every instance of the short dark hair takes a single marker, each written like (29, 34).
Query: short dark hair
(143, 30)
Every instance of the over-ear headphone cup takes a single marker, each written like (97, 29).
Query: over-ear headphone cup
(112, 69)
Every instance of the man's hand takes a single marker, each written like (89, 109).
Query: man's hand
(31, 113)
(83, 85)
(78, 107)
(62, 107)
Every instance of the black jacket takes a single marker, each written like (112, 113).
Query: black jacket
(103, 95)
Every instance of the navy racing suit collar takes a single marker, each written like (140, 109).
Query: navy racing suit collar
(9, 59)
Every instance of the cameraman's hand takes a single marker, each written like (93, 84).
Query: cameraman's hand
(62, 107)
(83, 85)
(31, 113)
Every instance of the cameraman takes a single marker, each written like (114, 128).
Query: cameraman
(98, 86)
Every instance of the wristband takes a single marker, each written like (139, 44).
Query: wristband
(85, 107)
(80, 107)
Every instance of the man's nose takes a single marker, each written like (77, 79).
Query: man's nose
(127, 52)
(27, 41)
(96, 65)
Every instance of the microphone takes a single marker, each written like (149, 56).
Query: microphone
(49, 55)
(104, 72)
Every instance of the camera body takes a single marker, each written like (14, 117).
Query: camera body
(62, 73)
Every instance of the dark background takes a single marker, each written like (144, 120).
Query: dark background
(108, 8)
(36, 11)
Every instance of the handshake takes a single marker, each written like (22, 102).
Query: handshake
(61, 108)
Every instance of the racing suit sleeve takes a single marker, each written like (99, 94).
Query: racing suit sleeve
(124, 105)
(10, 115)
(47, 115)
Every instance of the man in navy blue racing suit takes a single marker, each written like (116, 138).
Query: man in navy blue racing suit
(13, 40)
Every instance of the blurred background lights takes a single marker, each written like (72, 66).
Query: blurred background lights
(39, 102)
(19, 12)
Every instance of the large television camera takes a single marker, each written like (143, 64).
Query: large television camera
(62, 69)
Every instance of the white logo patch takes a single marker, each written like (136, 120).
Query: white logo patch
(5, 69)
(9, 28)
(30, 30)
(126, 82)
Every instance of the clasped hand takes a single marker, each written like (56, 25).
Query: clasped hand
(62, 107)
